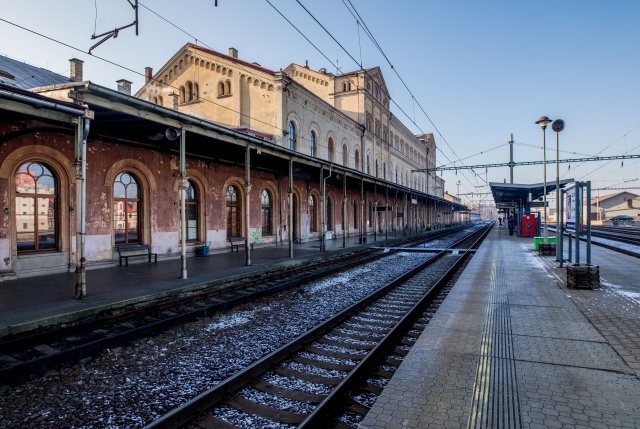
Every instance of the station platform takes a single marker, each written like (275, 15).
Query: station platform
(512, 347)
(33, 302)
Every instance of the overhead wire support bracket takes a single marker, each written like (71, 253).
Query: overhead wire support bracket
(114, 33)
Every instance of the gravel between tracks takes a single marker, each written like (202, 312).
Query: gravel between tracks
(130, 386)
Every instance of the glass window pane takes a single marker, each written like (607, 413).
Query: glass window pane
(25, 223)
(118, 190)
(132, 221)
(132, 190)
(46, 185)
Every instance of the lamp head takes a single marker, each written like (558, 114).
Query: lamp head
(543, 122)
(558, 125)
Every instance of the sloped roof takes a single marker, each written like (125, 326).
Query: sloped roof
(607, 196)
(25, 76)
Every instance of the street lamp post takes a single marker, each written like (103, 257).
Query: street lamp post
(557, 126)
(543, 122)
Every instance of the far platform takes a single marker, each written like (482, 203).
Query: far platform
(32, 302)
(511, 347)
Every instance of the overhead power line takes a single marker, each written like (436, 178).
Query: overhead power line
(507, 164)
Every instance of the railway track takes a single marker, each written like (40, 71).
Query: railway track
(330, 376)
(26, 356)
(623, 235)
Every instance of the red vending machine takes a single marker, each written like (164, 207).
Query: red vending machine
(528, 225)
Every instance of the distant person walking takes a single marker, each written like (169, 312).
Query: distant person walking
(500, 220)
(511, 224)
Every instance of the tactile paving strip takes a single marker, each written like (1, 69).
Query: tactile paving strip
(495, 390)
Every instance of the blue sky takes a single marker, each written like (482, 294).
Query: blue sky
(480, 70)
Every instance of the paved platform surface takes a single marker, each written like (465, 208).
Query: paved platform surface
(511, 347)
(40, 301)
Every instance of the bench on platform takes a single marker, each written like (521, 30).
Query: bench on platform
(133, 250)
(237, 242)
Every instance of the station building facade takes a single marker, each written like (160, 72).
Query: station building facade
(240, 181)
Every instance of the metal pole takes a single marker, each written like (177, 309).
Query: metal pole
(588, 199)
(290, 208)
(544, 185)
(386, 214)
(560, 232)
(323, 201)
(375, 212)
(362, 222)
(247, 181)
(81, 180)
(345, 222)
(182, 185)
(511, 159)
(578, 215)
(558, 257)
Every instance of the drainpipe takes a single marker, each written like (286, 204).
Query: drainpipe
(182, 186)
(345, 223)
(247, 179)
(81, 186)
(291, 208)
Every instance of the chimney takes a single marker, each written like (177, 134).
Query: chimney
(75, 70)
(233, 52)
(148, 74)
(323, 70)
(124, 86)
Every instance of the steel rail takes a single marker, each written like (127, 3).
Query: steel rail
(208, 399)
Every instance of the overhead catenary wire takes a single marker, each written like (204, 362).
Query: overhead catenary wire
(377, 45)
(364, 70)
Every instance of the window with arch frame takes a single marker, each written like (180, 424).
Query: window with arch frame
(314, 143)
(330, 150)
(345, 155)
(234, 212)
(192, 210)
(313, 214)
(266, 210)
(36, 208)
(292, 135)
(126, 209)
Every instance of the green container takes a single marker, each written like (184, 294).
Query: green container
(538, 240)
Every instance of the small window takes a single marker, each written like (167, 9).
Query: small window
(314, 143)
(292, 135)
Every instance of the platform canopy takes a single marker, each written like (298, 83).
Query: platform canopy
(522, 192)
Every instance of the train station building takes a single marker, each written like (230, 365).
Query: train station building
(299, 156)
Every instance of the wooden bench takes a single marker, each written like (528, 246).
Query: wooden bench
(134, 250)
(237, 242)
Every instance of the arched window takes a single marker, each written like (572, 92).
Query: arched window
(313, 214)
(314, 143)
(376, 168)
(292, 135)
(196, 91)
(227, 87)
(220, 89)
(368, 165)
(234, 213)
(183, 97)
(329, 215)
(345, 155)
(126, 209)
(384, 170)
(331, 149)
(36, 208)
(344, 87)
(396, 174)
(267, 225)
(189, 91)
(192, 209)
(357, 159)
